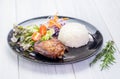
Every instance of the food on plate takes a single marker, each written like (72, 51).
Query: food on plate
(36, 36)
(73, 35)
(57, 22)
(52, 48)
(23, 36)
(48, 35)
(43, 30)
(51, 38)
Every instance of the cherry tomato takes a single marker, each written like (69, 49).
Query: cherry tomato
(36, 36)
(43, 30)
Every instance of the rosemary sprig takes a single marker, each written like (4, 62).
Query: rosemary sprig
(107, 54)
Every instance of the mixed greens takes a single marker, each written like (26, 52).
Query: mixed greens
(26, 36)
(22, 36)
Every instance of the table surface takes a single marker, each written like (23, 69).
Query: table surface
(103, 14)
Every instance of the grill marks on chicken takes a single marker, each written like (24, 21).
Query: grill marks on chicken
(52, 48)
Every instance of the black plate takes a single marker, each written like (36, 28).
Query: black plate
(74, 54)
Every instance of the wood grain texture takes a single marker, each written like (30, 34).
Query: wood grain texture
(87, 10)
(27, 9)
(103, 14)
(110, 15)
(30, 70)
(110, 11)
(117, 3)
(34, 9)
(8, 59)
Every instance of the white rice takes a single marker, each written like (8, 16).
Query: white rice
(74, 35)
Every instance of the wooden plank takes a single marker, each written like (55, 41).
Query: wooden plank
(65, 8)
(83, 9)
(8, 59)
(30, 70)
(117, 2)
(34, 8)
(87, 10)
(68, 8)
(33, 70)
(111, 15)
(65, 71)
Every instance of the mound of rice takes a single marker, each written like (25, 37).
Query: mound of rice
(73, 35)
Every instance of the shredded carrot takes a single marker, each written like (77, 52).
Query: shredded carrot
(55, 18)
(54, 21)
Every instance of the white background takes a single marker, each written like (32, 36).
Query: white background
(103, 14)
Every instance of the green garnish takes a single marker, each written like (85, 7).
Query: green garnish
(48, 35)
(107, 54)
(22, 36)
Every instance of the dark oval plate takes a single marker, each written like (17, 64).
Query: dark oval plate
(74, 54)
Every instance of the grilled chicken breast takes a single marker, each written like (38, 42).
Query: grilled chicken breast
(52, 48)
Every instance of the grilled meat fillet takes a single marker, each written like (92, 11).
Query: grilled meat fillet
(52, 48)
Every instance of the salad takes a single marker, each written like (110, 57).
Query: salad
(27, 37)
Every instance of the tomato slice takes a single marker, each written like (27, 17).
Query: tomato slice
(36, 36)
(43, 30)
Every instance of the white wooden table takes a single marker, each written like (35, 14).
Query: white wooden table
(104, 14)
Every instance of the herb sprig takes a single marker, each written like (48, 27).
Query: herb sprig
(107, 54)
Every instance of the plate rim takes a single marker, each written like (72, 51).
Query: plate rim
(54, 63)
